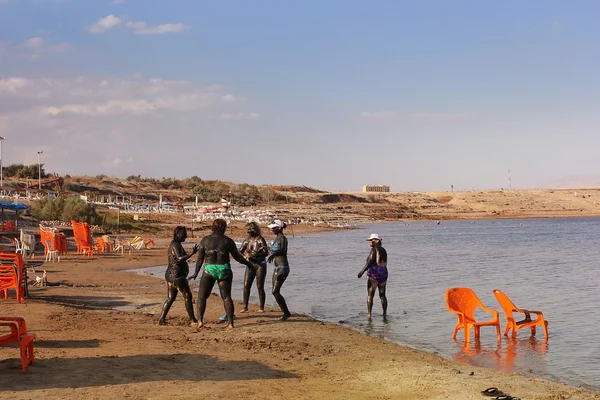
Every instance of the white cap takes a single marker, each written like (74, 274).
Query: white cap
(276, 224)
(374, 236)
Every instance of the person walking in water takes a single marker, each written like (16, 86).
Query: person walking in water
(279, 259)
(255, 249)
(376, 269)
(176, 275)
(214, 251)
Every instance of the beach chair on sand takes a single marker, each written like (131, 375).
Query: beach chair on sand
(463, 302)
(18, 334)
(509, 308)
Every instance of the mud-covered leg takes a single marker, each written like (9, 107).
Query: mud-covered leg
(184, 288)
(248, 281)
(225, 289)
(383, 298)
(261, 274)
(206, 284)
(279, 277)
(371, 287)
(171, 296)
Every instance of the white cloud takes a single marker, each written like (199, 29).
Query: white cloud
(240, 115)
(141, 28)
(12, 84)
(34, 42)
(104, 24)
(110, 96)
(35, 48)
(88, 124)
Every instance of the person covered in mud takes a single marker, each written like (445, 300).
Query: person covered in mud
(255, 249)
(214, 251)
(278, 257)
(376, 269)
(176, 275)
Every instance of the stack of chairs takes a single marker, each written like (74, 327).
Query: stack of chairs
(54, 241)
(83, 238)
(8, 226)
(13, 275)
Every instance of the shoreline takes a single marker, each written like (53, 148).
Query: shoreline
(87, 349)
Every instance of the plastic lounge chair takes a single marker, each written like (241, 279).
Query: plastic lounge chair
(509, 308)
(18, 334)
(51, 252)
(463, 302)
(18, 247)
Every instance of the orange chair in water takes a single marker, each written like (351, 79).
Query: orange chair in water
(463, 302)
(509, 308)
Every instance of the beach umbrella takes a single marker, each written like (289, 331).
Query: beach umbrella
(18, 206)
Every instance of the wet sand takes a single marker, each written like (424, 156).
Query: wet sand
(98, 338)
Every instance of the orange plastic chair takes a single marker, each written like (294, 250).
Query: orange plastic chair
(18, 334)
(509, 308)
(463, 302)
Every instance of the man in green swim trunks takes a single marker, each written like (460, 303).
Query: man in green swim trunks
(214, 252)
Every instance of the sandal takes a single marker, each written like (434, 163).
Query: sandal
(493, 392)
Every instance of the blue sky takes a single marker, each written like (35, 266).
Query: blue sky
(419, 95)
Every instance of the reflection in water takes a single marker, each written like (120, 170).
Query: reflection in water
(507, 356)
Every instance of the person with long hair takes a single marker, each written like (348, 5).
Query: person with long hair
(255, 249)
(281, 270)
(214, 251)
(377, 273)
(176, 275)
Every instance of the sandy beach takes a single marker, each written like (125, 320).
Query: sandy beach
(97, 337)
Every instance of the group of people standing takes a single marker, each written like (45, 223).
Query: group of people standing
(214, 252)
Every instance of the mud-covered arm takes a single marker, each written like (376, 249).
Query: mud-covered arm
(235, 253)
(200, 260)
(244, 247)
(370, 261)
(180, 254)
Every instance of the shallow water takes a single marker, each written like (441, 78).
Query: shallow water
(543, 264)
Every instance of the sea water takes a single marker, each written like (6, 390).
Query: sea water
(550, 265)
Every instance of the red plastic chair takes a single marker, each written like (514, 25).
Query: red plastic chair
(463, 302)
(509, 308)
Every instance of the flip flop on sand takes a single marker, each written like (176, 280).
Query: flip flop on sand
(493, 392)
(506, 397)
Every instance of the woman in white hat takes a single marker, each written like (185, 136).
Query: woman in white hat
(376, 269)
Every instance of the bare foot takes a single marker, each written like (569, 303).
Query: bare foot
(162, 322)
(244, 310)
(200, 326)
(369, 317)
(230, 326)
(193, 323)
(260, 310)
